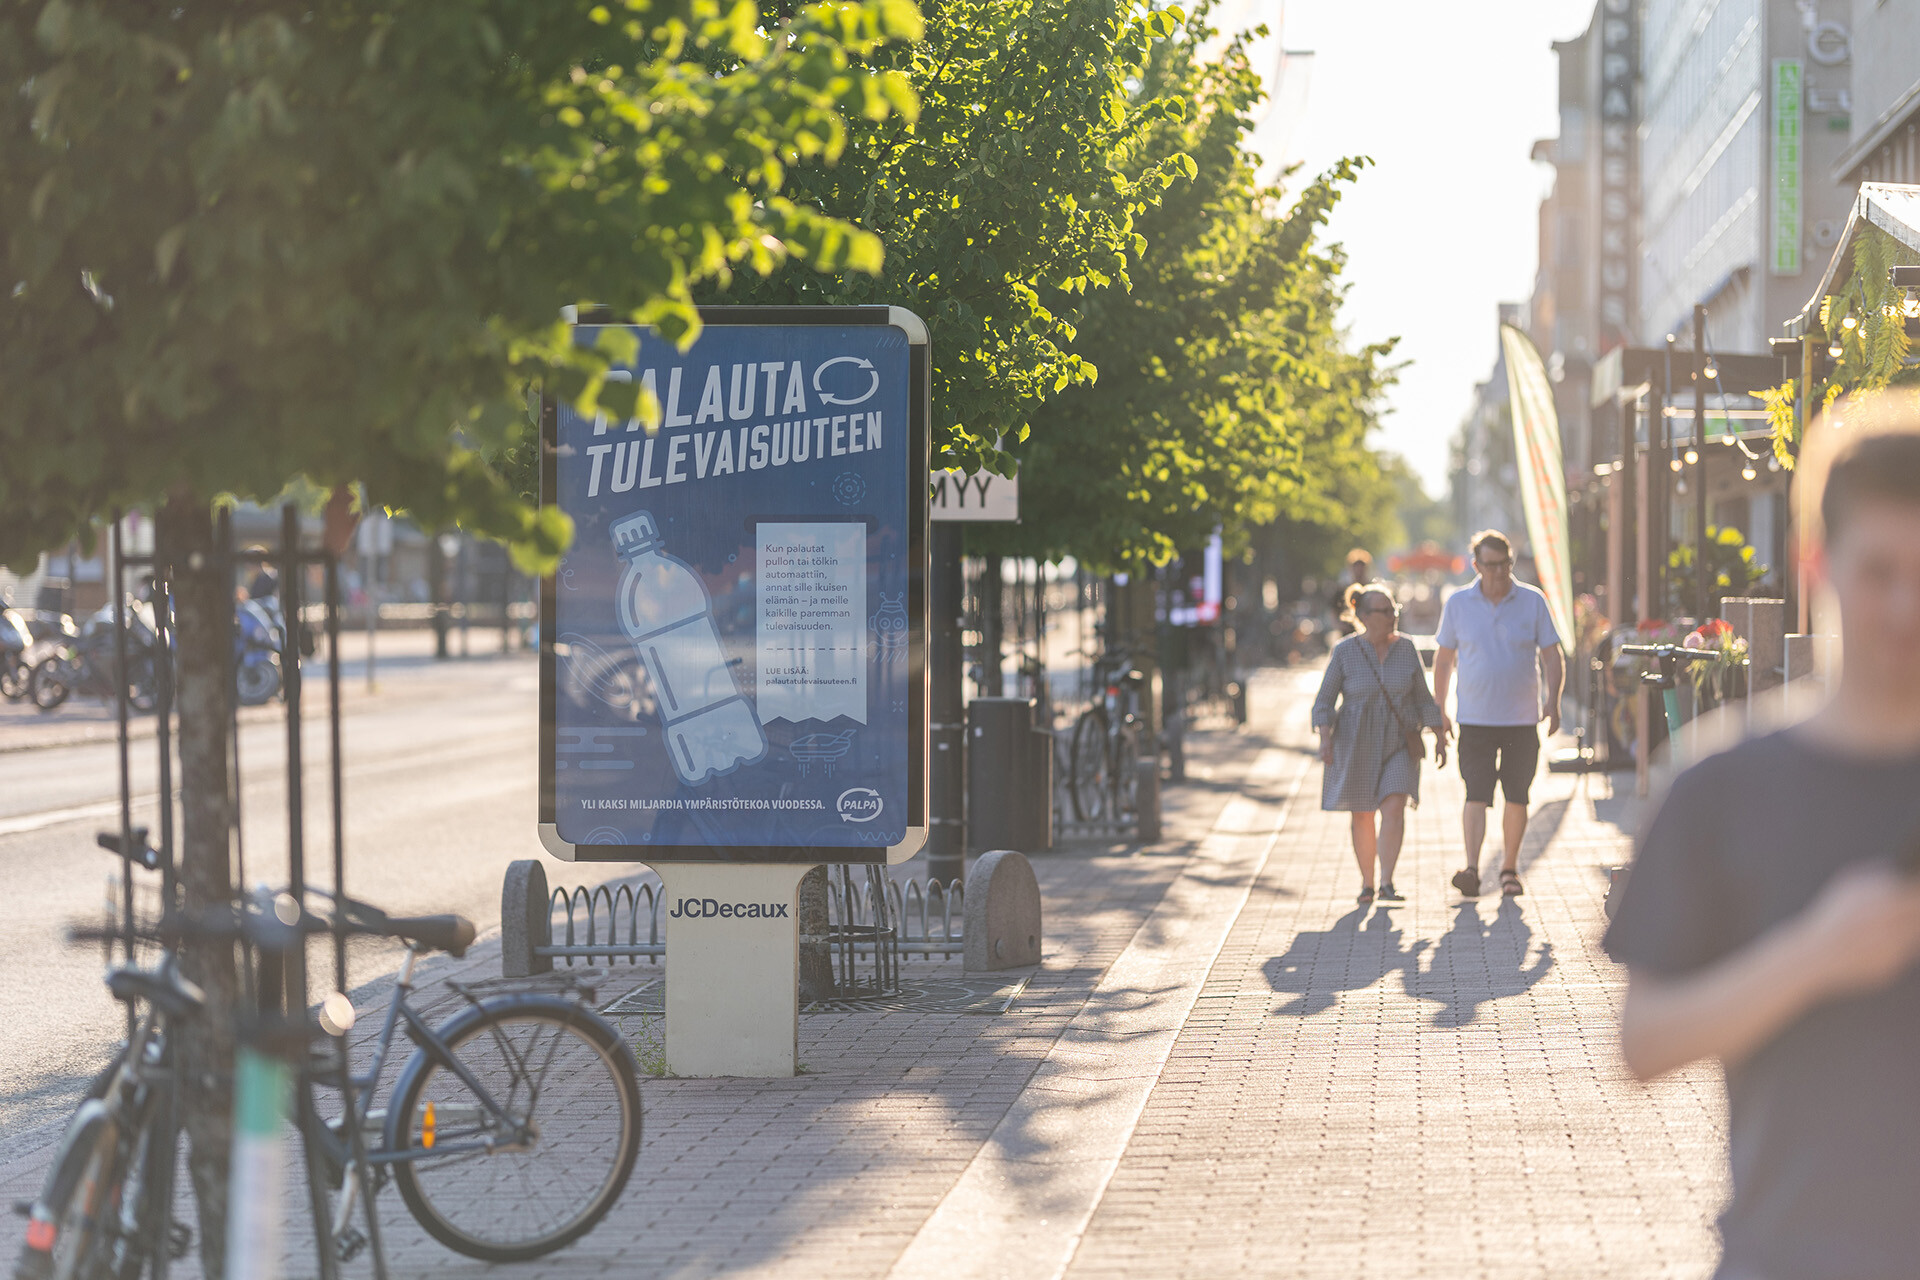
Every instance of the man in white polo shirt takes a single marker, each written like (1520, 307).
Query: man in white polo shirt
(1501, 635)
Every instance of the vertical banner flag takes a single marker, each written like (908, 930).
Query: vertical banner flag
(1543, 476)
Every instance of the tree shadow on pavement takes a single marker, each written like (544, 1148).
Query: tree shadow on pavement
(1350, 956)
(1478, 961)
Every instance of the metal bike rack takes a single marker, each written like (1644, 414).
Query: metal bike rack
(872, 921)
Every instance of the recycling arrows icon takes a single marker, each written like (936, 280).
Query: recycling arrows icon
(827, 397)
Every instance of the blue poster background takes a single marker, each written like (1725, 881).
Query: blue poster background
(653, 743)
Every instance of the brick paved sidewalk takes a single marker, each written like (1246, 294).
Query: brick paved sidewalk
(1425, 1090)
(1430, 1089)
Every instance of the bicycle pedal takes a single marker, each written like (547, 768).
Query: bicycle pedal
(349, 1243)
(179, 1240)
(23, 1208)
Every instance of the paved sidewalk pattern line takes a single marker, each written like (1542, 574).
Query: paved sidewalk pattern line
(1036, 1182)
(1424, 1090)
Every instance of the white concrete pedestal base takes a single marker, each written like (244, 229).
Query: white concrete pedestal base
(733, 957)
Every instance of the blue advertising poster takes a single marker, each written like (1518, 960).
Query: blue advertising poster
(731, 648)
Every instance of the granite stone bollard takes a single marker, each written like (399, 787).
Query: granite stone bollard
(525, 920)
(1002, 929)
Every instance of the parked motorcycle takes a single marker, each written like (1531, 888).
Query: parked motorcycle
(257, 644)
(15, 640)
(64, 663)
(20, 631)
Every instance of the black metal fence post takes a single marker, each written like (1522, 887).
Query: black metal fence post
(292, 597)
(946, 835)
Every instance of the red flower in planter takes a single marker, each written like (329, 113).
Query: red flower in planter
(1708, 634)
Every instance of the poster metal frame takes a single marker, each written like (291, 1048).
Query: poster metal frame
(920, 409)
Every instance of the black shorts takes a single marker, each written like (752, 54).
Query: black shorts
(1508, 752)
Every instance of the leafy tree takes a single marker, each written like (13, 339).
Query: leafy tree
(250, 240)
(1226, 397)
(1012, 195)
(1421, 518)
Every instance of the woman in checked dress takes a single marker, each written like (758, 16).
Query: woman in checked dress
(1373, 700)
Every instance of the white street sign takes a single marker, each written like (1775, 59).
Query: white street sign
(982, 496)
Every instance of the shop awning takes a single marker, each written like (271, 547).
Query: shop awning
(1891, 206)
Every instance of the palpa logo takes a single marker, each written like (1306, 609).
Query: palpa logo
(859, 804)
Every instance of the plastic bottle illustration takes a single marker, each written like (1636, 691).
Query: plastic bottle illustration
(665, 610)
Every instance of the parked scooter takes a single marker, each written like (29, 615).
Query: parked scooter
(64, 664)
(15, 640)
(257, 644)
(22, 632)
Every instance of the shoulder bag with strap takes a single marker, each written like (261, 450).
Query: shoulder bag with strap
(1416, 743)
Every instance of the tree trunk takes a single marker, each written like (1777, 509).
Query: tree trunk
(816, 957)
(203, 610)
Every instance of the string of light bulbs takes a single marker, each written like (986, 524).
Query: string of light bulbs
(1728, 436)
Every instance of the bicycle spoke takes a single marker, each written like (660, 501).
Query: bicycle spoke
(564, 1148)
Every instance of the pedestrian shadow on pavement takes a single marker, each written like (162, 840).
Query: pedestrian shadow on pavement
(1543, 824)
(1351, 956)
(1478, 961)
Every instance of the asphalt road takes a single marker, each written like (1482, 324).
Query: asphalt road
(439, 787)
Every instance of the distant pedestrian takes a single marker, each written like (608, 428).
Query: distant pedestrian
(1373, 704)
(265, 583)
(1768, 924)
(1501, 635)
(1358, 573)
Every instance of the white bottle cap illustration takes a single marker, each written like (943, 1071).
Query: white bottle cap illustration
(635, 534)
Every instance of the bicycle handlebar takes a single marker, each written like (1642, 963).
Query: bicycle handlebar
(1672, 651)
(280, 926)
(142, 853)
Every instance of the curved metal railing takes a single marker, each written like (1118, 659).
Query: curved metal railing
(913, 899)
(586, 923)
(872, 920)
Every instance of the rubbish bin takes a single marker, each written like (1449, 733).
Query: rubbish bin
(1009, 777)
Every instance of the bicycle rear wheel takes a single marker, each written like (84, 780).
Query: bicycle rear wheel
(70, 1227)
(1087, 784)
(568, 1084)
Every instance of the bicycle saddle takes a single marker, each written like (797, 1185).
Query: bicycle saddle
(168, 992)
(451, 934)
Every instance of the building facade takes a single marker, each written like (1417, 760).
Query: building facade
(1883, 142)
(1746, 109)
(1484, 476)
(1584, 291)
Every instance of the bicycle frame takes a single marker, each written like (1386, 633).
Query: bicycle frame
(363, 1088)
(138, 1096)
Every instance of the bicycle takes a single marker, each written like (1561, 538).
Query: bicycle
(466, 1139)
(121, 1139)
(1106, 742)
(469, 1094)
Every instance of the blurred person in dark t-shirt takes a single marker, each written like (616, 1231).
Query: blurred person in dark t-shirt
(1769, 925)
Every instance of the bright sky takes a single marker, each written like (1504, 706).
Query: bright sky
(1448, 99)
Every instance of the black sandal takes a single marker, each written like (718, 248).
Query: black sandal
(1510, 886)
(1366, 894)
(1390, 894)
(1467, 882)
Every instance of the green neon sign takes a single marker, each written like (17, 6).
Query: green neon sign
(1786, 166)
